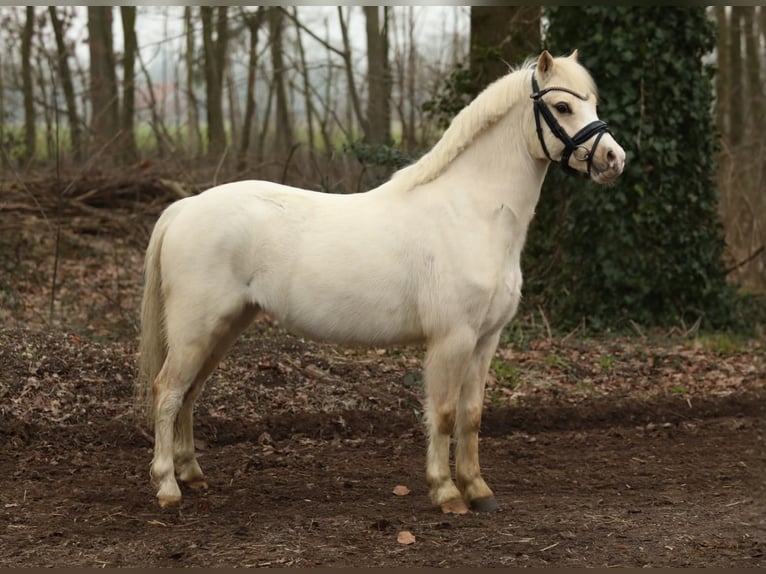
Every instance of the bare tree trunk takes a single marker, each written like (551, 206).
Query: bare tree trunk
(157, 126)
(736, 96)
(44, 71)
(284, 130)
(177, 107)
(404, 68)
(215, 59)
(129, 151)
(65, 74)
(192, 107)
(265, 127)
(353, 95)
(753, 67)
(235, 114)
(253, 23)
(722, 81)
(85, 103)
(3, 154)
(306, 84)
(103, 79)
(502, 35)
(378, 77)
(324, 120)
(762, 11)
(354, 108)
(30, 133)
(411, 138)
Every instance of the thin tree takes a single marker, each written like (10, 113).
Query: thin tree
(306, 83)
(192, 106)
(405, 65)
(128, 137)
(261, 142)
(762, 13)
(502, 36)
(753, 69)
(354, 109)
(43, 69)
(284, 137)
(722, 81)
(103, 77)
(736, 95)
(65, 74)
(378, 77)
(3, 154)
(410, 136)
(30, 132)
(235, 113)
(253, 25)
(215, 59)
(348, 66)
(161, 135)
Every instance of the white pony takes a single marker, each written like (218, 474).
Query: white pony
(430, 256)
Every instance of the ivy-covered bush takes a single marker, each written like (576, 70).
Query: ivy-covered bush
(647, 248)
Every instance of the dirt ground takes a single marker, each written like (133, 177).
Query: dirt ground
(640, 450)
(303, 478)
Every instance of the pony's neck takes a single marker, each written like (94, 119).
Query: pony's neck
(497, 168)
(484, 153)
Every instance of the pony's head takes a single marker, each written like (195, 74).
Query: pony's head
(568, 129)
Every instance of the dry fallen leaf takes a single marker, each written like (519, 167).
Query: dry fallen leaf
(401, 490)
(405, 537)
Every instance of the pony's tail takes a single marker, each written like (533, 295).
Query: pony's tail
(153, 343)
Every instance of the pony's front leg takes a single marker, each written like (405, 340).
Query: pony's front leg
(468, 473)
(447, 365)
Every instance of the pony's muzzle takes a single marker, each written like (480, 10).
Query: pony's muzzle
(615, 161)
(609, 161)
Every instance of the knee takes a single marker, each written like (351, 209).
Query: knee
(442, 420)
(470, 419)
(168, 403)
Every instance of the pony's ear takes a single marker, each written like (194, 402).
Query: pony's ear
(573, 55)
(544, 64)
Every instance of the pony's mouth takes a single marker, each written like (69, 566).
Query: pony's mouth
(604, 177)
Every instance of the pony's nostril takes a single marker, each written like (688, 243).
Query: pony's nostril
(611, 158)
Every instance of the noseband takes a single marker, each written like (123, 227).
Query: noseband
(572, 145)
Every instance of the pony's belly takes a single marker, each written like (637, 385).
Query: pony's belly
(365, 330)
(354, 320)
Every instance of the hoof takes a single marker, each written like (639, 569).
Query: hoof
(484, 504)
(166, 501)
(454, 506)
(197, 484)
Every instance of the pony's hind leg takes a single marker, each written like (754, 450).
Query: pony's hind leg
(186, 466)
(447, 365)
(171, 386)
(468, 473)
(197, 338)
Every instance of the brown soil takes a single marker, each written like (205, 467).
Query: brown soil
(303, 476)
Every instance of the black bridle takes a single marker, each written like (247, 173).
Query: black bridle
(572, 145)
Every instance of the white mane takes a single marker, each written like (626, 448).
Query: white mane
(487, 108)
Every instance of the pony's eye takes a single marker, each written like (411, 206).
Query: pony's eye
(563, 108)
